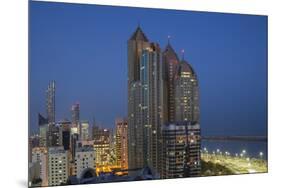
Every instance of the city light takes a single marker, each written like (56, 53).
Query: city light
(75, 147)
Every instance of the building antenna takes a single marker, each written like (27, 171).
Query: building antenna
(182, 53)
(169, 39)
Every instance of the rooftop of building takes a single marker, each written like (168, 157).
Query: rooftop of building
(56, 150)
(85, 148)
(139, 174)
(139, 35)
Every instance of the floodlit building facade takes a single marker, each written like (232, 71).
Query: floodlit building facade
(58, 169)
(84, 158)
(75, 114)
(122, 142)
(102, 153)
(101, 138)
(84, 130)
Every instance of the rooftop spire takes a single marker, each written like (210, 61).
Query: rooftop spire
(169, 39)
(182, 53)
(139, 35)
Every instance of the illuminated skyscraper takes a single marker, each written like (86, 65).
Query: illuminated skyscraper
(162, 90)
(101, 139)
(136, 44)
(84, 130)
(186, 93)
(145, 104)
(58, 166)
(170, 64)
(50, 92)
(181, 135)
(122, 142)
(151, 105)
(75, 114)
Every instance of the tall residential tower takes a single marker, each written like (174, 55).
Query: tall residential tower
(170, 63)
(136, 44)
(186, 93)
(145, 102)
(75, 114)
(50, 103)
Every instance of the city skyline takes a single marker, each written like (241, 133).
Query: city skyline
(167, 106)
(89, 95)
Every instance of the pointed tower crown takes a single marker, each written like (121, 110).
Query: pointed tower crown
(139, 35)
(169, 50)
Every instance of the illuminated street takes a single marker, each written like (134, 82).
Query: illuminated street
(237, 164)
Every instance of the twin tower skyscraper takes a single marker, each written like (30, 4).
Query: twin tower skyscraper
(162, 90)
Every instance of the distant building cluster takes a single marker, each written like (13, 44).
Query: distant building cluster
(64, 150)
(160, 137)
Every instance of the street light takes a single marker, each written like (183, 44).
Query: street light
(261, 154)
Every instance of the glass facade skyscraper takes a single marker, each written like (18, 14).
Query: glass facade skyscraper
(186, 93)
(162, 90)
(50, 92)
(75, 114)
(136, 44)
(170, 64)
(151, 80)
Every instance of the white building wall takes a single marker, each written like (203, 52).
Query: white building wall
(57, 166)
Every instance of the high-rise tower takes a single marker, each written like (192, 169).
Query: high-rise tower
(151, 94)
(170, 64)
(75, 114)
(145, 115)
(186, 93)
(136, 44)
(181, 136)
(50, 92)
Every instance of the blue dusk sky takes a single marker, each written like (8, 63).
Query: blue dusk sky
(84, 49)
